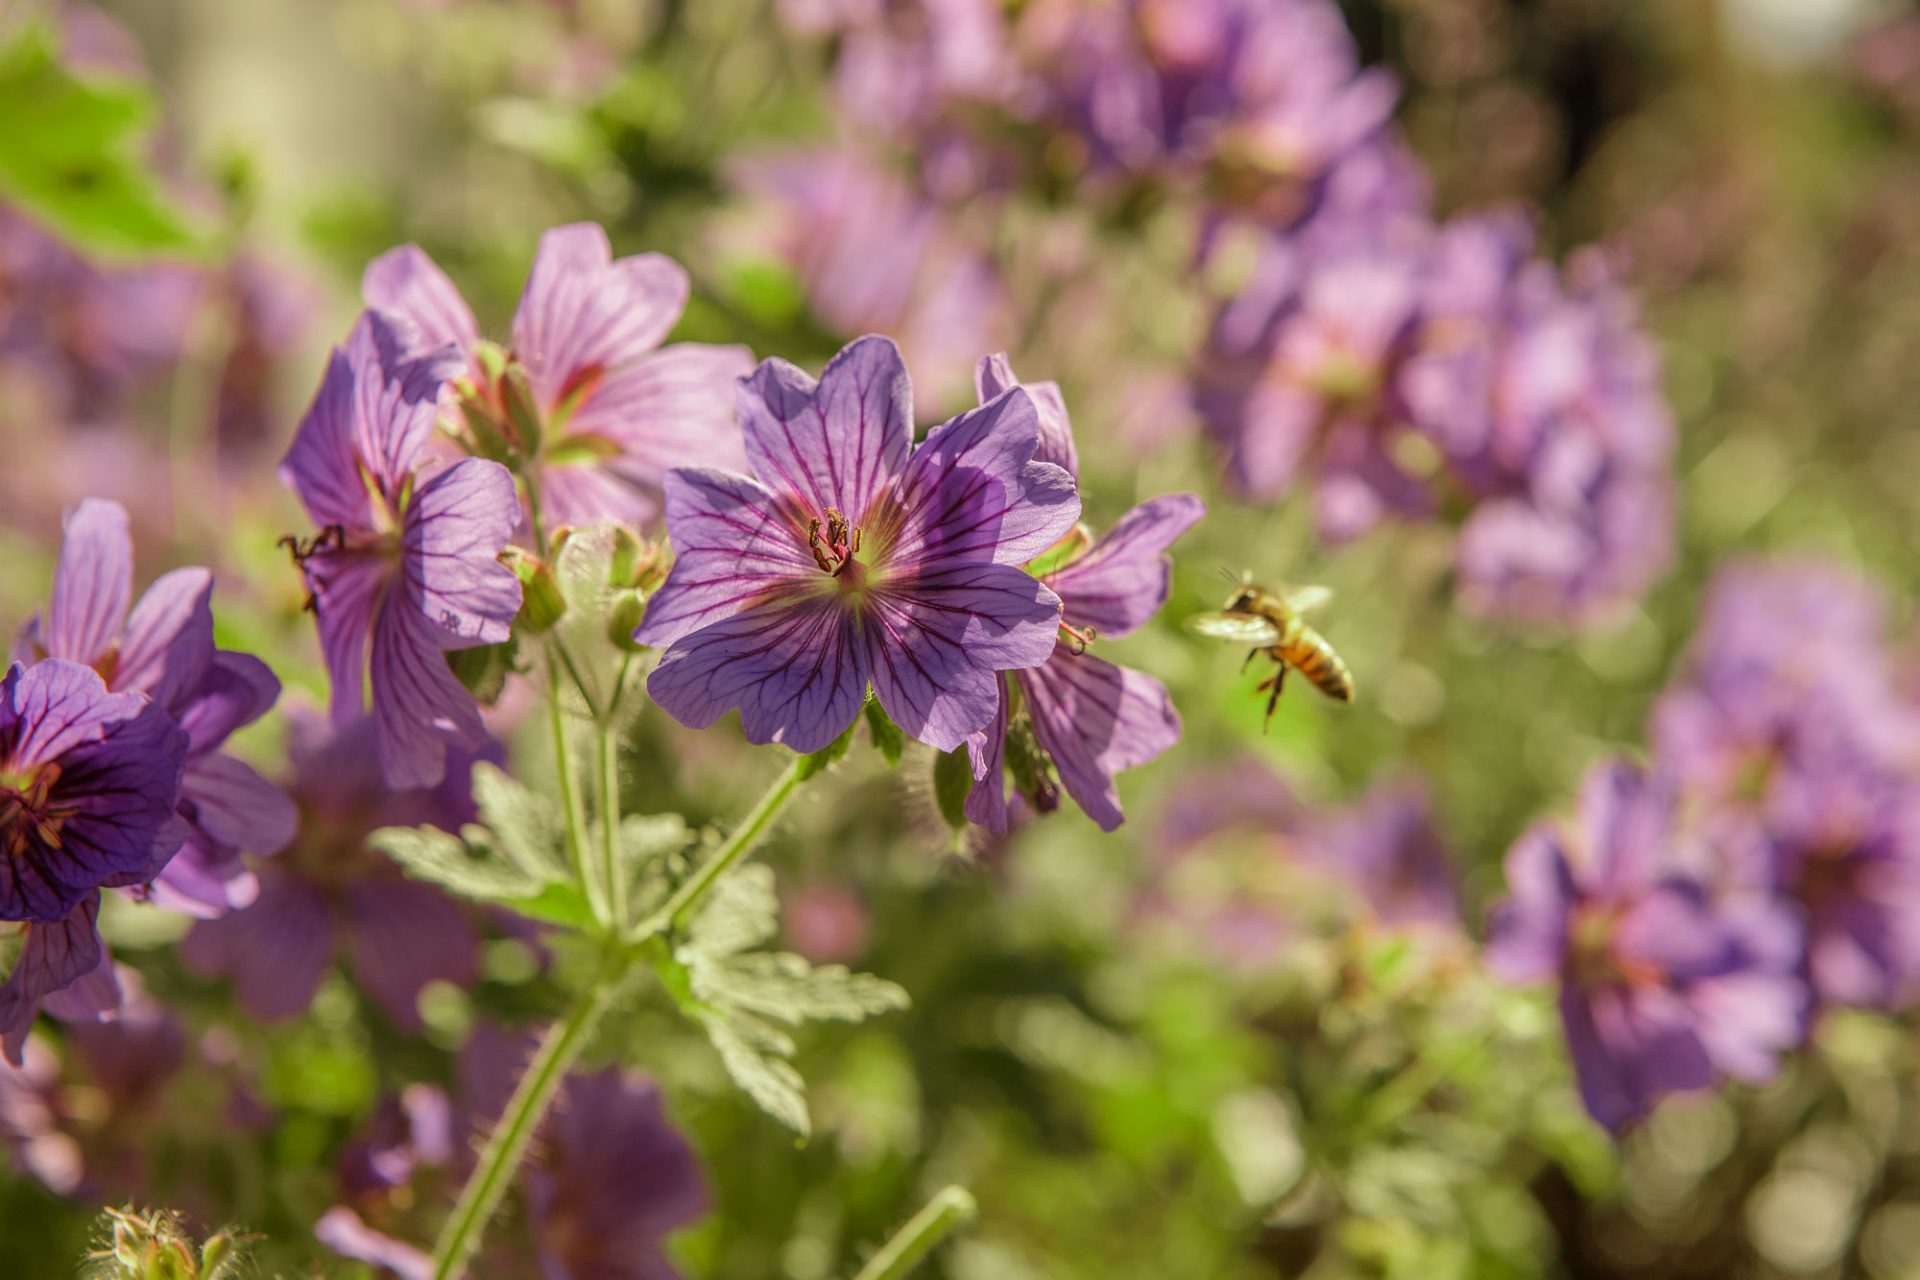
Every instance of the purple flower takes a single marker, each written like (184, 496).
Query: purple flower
(854, 557)
(1087, 718)
(1387, 850)
(1662, 988)
(876, 256)
(406, 564)
(88, 785)
(329, 894)
(618, 409)
(1749, 710)
(163, 647)
(60, 966)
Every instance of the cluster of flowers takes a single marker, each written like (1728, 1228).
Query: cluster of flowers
(112, 719)
(1765, 865)
(1399, 367)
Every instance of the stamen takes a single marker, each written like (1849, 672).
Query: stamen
(836, 547)
(1078, 638)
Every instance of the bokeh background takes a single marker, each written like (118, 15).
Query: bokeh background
(1198, 1047)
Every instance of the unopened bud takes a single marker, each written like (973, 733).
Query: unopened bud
(542, 603)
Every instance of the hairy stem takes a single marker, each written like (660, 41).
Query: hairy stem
(569, 794)
(917, 1239)
(680, 907)
(507, 1145)
(607, 739)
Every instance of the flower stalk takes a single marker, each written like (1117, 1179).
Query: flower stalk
(899, 1256)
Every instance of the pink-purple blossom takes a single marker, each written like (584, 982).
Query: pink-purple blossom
(618, 409)
(162, 646)
(406, 564)
(330, 897)
(851, 558)
(1663, 987)
(1076, 716)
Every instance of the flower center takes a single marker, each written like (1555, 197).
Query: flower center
(834, 544)
(27, 809)
(1593, 958)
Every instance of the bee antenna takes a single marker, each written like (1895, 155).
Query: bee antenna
(1230, 575)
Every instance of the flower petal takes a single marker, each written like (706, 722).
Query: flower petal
(168, 644)
(419, 708)
(994, 375)
(93, 584)
(1095, 719)
(205, 880)
(794, 668)
(835, 443)
(971, 492)
(986, 804)
(733, 543)
(459, 522)
(342, 1230)
(237, 807)
(935, 645)
(672, 408)
(407, 282)
(400, 937)
(583, 313)
(1126, 576)
(56, 954)
(236, 690)
(349, 589)
(275, 952)
(1527, 930)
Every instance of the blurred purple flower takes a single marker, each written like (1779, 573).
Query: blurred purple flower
(854, 557)
(618, 409)
(329, 893)
(407, 557)
(1386, 849)
(1749, 710)
(614, 1181)
(1261, 99)
(876, 256)
(1661, 987)
(163, 647)
(1088, 719)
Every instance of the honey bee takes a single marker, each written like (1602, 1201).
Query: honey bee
(1271, 622)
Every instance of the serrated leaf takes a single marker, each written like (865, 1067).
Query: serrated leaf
(785, 987)
(71, 155)
(523, 823)
(885, 733)
(742, 911)
(820, 761)
(583, 568)
(755, 1056)
(647, 843)
(472, 867)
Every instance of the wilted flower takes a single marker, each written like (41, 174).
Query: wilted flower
(856, 558)
(1081, 717)
(329, 893)
(163, 647)
(407, 557)
(1661, 987)
(616, 410)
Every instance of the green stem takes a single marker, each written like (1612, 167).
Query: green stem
(563, 767)
(1415, 1082)
(679, 908)
(608, 732)
(917, 1239)
(507, 1145)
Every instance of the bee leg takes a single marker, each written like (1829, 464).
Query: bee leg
(1251, 655)
(1279, 683)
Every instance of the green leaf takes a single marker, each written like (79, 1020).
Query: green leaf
(525, 824)
(473, 868)
(885, 733)
(786, 988)
(744, 998)
(584, 568)
(648, 843)
(484, 669)
(952, 784)
(756, 1055)
(71, 157)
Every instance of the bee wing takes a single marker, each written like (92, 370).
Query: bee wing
(1301, 599)
(1242, 628)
